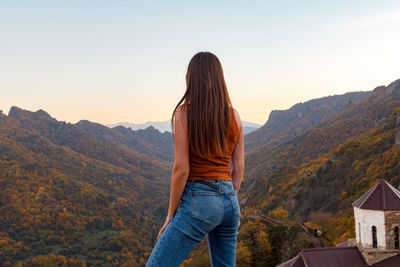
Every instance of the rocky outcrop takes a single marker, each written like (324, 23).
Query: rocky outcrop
(284, 125)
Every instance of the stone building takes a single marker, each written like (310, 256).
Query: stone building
(247, 202)
(377, 222)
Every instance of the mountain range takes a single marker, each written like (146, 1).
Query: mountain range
(98, 194)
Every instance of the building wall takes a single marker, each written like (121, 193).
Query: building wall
(392, 219)
(364, 220)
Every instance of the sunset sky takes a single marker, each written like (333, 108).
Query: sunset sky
(125, 61)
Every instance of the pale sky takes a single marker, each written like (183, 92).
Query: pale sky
(113, 61)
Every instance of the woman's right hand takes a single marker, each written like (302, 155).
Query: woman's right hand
(236, 187)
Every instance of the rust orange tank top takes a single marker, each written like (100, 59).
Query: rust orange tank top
(214, 168)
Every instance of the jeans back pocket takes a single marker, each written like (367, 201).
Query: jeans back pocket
(205, 204)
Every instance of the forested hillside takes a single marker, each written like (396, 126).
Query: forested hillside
(80, 190)
(332, 181)
(271, 166)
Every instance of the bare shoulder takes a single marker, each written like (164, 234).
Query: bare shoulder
(238, 119)
(180, 115)
(180, 111)
(179, 108)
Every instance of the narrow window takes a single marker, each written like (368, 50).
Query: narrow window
(359, 232)
(396, 237)
(374, 240)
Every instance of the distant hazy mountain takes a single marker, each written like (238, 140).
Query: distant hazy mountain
(164, 126)
(248, 127)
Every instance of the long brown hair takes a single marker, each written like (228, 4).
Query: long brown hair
(208, 106)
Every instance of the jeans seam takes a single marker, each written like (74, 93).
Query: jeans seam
(223, 210)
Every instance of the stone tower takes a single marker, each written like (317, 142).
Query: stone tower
(377, 222)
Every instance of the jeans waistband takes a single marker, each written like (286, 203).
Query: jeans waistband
(215, 184)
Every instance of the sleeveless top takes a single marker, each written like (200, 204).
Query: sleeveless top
(214, 168)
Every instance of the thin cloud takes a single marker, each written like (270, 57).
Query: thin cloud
(375, 20)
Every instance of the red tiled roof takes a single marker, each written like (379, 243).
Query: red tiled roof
(389, 262)
(382, 196)
(333, 257)
(294, 262)
(327, 257)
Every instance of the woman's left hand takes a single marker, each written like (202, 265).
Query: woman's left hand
(167, 220)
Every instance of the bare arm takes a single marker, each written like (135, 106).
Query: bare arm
(238, 156)
(180, 170)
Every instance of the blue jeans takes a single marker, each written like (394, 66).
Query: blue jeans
(202, 210)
